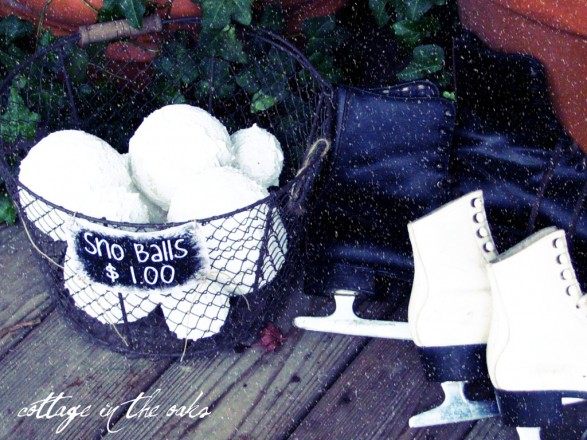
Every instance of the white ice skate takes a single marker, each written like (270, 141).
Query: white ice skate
(450, 306)
(537, 347)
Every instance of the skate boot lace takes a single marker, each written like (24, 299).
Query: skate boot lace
(568, 274)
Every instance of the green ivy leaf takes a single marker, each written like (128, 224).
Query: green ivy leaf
(7, 210)
(177, 63)
(426, 59)
(222, 43)
(11, 58)
(262, 102)
(272, 19)
(77, 65)
(324, 63)
(132, 10)
(217, 14)
(449, 95)
(223, 79)
(414, 10)
(322, 35)
(380, 9)
(407, 33)
(13, 29)
(17, 121)
(247, 80)
(412, 33)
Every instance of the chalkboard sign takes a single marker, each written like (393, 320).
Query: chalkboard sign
(141, 260)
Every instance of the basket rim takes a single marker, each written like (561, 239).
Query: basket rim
(265, 200)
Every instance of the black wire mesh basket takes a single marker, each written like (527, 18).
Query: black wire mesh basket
(254, 252)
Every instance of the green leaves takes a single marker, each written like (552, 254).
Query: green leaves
(7, 209)
(381, 10)
(411, 33)
(414, 10)
(176, 63)
(323, 39)
(132, 10)
(426, 59)
(217, 14)
(222, 43)
(14, 34)
(17, 121)
(262, 102)
(414, 26)
(13, 29)
(268, 82)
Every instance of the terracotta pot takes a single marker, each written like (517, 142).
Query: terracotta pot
(62, 17)
(131, 61)
(555, 33)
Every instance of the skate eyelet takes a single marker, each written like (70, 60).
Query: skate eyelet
(482, 232)
(489, 247)
(557, 243)
(476, 203)
(566, 275)
(563, 259)
(572, 290)
(479, 217)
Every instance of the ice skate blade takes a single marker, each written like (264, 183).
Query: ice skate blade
(344, 321)
(528, 433)
(455, 408)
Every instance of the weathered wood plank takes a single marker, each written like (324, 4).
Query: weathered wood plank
(255, 394)
(53, 358)
(23, 291)
(573, 427)
(375, 397)
(493, 429)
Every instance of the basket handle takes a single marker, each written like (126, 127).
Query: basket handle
(300, 191)
(112, 30)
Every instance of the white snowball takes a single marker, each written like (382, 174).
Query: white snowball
(69, 162)
(234, 242)
(258, 154)
(117, 205)
(277, 246)
(99, 301)
(81, 173)
(173, 143)
(212, 192)
(195, 312)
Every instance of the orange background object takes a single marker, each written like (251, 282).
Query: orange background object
(552, 31)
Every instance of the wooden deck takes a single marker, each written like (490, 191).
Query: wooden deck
(316, 386)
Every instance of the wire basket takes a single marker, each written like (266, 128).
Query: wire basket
(254, 253)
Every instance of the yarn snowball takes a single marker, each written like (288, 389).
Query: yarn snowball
(196, 311)
(81, 173)
(172, 144)
(212, 192)
(258, 154)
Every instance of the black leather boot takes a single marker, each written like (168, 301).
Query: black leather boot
(509, 143)
(388, 165)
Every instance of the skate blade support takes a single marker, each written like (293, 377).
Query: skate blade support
(344, 321)
(455, 408)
